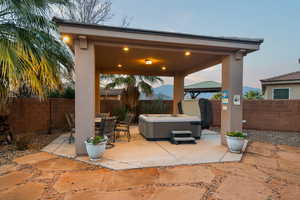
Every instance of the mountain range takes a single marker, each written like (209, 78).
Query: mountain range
(166, 92)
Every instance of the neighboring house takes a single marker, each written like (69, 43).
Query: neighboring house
(112, 94)
(286, 86)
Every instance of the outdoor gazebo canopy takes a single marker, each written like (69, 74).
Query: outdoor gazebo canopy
(202, 87)
(114, 50)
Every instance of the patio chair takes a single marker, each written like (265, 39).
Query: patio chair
(71, 126)
(124, 126)
(103, 115)
(109, 125)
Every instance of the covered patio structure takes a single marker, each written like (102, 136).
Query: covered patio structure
(113, 50)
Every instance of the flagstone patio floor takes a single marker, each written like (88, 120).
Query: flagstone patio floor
(266, 172)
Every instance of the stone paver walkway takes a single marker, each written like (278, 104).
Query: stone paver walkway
(266, 172)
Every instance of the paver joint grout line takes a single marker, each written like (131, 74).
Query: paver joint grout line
(166, 150)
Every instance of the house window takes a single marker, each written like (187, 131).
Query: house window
(281, 93)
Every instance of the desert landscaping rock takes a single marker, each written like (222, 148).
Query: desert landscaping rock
(28, 191)
(179, 192)
(182, 174)
(81, 180)
(242, 188)
(262, 148)
(7, 168)
(34, 158)
(60, 164)
(12, 179)
(270, 173)
(140, 194)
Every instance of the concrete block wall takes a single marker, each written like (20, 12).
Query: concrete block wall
(33, 115)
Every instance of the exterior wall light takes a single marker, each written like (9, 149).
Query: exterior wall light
(119, 65)
(163, 68)
(66, 39)
(125, 49)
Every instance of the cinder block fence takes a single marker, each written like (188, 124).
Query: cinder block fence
(33, 115)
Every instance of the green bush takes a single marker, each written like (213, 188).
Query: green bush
(69, 93)
(54, 94)
(236, 134)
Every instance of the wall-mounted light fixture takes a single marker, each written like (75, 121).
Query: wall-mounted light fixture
(66, 39)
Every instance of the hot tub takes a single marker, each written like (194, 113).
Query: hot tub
(159, 126)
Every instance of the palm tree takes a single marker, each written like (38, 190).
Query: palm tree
(31, 54)
(252, 94)
(217, 96)
(133, 86)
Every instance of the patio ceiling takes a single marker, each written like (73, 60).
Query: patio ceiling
(164, 62)
(166, 50)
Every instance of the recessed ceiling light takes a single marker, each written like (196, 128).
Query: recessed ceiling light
(66, 39)
(187, 53)
(148, 62)
(163, 68)
(119, 65)
(125, 49)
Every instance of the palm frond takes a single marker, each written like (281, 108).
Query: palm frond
(31, 53)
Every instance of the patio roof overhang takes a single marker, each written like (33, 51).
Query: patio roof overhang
(164, 49)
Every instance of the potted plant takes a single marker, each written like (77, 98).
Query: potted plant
(235, 141)
(95, 146)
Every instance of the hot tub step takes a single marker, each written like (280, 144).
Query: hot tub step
(181, 134)
(184, 136)
(177, 140)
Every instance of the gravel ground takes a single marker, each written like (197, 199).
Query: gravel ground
(273, 137)
(35, 143)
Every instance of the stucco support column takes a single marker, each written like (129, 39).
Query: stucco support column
(97, 91)
(232, 86)
(85, 93)
(178, 91)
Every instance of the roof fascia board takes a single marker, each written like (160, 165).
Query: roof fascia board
(75, 30)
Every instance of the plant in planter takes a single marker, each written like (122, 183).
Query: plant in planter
(95, 146)
(235, 141)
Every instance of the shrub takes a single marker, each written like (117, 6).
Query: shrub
(236, 134)
(69, 93)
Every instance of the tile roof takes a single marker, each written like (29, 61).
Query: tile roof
(204, 84)
(285, 77)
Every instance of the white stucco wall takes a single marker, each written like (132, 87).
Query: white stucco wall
(294, 90)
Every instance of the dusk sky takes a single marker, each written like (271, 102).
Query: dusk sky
(278, 22)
